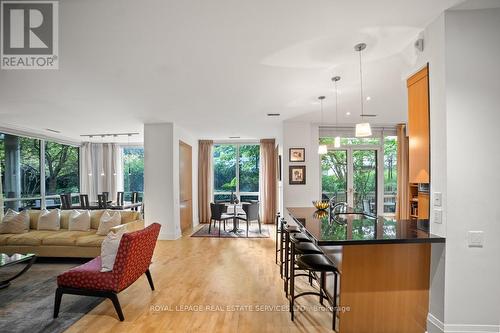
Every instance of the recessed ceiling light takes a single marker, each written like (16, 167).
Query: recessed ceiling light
(368, 98)
(235, 137)
(273, 114)
(347, 113)
(52, 130)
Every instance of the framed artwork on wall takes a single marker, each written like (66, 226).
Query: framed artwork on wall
(297, 174)
(297, 155)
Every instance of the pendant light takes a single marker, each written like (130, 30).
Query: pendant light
(129, 173)
(336, 142)
(322, 149)
(363, 129)
(88, 162)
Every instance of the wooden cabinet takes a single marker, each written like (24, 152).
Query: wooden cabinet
(418, 126)
(423, 206)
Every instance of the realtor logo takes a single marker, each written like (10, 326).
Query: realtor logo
(29, 35)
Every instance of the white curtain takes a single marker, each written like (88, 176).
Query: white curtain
(101, 169)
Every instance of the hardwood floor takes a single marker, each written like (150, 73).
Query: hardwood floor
(214, 273)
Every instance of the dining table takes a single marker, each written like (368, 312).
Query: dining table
(236, 220)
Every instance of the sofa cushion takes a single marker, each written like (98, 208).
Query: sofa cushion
(4, 237)
(34, 213)
(129, 216)
(95, 218)
(93, 240)
(79, 220)
(108, 221)
(33, 237)
(14, 222)
(67, 238)
(49, 220)
(65, 216)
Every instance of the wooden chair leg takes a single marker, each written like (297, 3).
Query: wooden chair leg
(209, 225)
(247, 228)
(57, 302)
(219, 228)
(260, 228)
(150, 279)
(114, 298)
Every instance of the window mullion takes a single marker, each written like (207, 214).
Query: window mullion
(42, 174)
(237, 170)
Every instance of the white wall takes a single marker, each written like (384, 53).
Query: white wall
(161, 176)
(472, 54)
(433, 54)
(301, 135)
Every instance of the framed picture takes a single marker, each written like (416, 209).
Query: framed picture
(297, 174)
(297, 155)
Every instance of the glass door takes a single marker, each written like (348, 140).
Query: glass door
(351, 175)
(364, 182)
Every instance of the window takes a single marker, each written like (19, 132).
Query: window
(133, 171)
(236, 169)
(62, 169)
(21, 161)
(350, 173)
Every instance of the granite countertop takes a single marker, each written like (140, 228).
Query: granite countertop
(354, 228)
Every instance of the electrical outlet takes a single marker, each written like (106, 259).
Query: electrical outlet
(438, 216)
(475, 238)
(438, 199)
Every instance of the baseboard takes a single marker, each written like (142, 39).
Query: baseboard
(464, 328)
(169, 236)
(434, 325)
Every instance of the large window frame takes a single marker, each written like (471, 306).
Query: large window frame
(238, 193)
(128, 194)
(43, 140)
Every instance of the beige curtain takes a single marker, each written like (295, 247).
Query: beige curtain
(403, 195)
(205, 182)
(268, 180)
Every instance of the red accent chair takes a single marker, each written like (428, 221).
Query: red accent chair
(132, 260)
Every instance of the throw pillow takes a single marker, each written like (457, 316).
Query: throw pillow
(108, 221)
(109, 249)
(49, 220)
(79, 220)
(15, 223)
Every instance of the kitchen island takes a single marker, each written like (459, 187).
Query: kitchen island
(384, 268)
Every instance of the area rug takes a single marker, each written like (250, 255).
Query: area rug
(27, 305)
(253, 231)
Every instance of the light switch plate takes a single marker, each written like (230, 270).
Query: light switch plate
(438, 216)
(475, 239)
(438, 199)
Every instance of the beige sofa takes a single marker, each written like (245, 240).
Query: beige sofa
(65, 243)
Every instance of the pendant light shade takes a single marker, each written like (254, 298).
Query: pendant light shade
(363, 129)
(322, 149)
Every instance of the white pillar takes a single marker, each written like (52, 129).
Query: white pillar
(159, 195)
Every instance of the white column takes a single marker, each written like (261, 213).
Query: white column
(159, 195)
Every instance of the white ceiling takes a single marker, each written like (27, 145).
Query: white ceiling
(216, 67)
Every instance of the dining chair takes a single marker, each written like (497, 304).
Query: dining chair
(106, 196)
(251, 214)
(218, 213)
(135, 199)
(119, 199)
(101, 201)
(84, 201)
(65, 200)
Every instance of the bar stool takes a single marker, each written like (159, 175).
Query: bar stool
(285, 231)
(301, 244)
(278, 233)
(313, 263)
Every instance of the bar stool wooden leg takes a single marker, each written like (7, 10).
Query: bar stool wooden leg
(287, 254)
